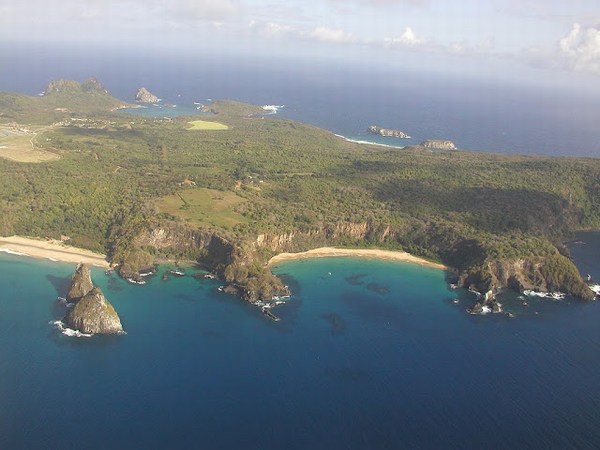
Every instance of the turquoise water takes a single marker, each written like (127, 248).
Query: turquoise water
(368, 354)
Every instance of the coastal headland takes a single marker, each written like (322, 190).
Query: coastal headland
(324, 252)
(53, 250)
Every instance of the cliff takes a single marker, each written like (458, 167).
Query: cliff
(145, 96)
(92, 313)
(374, 129)
(439, 144)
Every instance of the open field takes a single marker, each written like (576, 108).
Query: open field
(206, 125)
(20, 146)
(204, 207)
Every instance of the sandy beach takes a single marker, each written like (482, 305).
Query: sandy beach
(51, 249)
(361, 253)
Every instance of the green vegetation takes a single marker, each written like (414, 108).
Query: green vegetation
(121, 177)
(206, 125)
(204, 207)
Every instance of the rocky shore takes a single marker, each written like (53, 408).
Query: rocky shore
(386, 132)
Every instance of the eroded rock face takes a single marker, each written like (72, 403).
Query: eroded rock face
(439, 144)
(145, 96)
(93, 314)
(81, 283)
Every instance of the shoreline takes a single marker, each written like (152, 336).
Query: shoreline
(52, 250)
(324, 252)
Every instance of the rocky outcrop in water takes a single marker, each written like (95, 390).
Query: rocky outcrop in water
(81, 283)
(145, 96)
(439, 144)
(374, 129)
(92, 312)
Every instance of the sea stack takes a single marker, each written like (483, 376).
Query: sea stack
(81, 283)
(145, 96)
(92, 312)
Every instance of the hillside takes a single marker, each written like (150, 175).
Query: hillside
(142, 189)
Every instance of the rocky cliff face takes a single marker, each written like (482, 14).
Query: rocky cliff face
(554, 273)
(93, 314)
(90, 85)
(145, 96)
(374, 129)
(439, 144)
(81, 283)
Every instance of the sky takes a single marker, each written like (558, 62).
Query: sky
(557, 39)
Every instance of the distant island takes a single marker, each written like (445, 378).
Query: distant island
(145, 96)
(144, 190)
(374, 129)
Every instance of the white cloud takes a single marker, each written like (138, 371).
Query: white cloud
(270, 29)
(326, 34)
(407, 39)
(579, 50)
(209, 9)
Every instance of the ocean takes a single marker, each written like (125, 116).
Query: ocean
(369, 354)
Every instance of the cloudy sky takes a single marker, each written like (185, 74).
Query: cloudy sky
(551, 36)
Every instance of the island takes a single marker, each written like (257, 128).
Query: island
(145, 96)
(91, 312)
(441, 144)
(374, 129)
(145, 190)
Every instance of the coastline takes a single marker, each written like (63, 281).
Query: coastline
(52, 250)
(324, 252)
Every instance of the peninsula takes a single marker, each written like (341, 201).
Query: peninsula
(142, 190)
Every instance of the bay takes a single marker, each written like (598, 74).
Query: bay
(368, 354)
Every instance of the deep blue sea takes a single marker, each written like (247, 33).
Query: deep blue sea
(368, 355)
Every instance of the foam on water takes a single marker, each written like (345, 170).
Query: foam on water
(60, 326)
(11, 252)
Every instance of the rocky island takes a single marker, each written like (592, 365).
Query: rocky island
(440, 144)
(145, 96)
(92, 312)
(386, 132)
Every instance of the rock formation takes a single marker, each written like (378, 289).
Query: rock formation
(374, 129)
(440, 144)
(145, 96)
(92, 313)
(90, 85)
(81, 283)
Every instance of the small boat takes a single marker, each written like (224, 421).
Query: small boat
(455, 301)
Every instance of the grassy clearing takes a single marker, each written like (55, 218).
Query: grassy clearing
(206, 125)
(19, 147)
(204, 207)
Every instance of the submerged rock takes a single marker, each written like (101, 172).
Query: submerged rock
(81, 283)
(93, 314)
